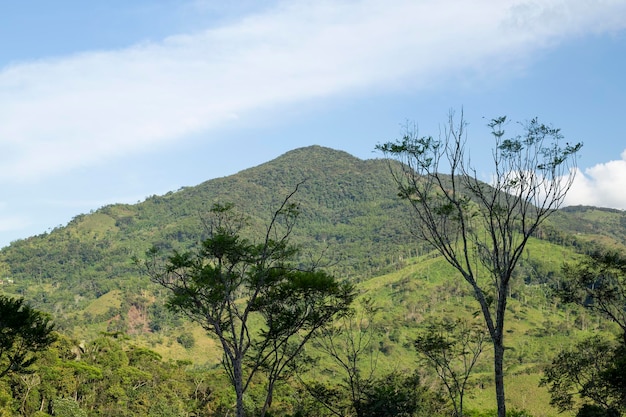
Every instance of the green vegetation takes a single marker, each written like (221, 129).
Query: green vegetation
(116, 329)
(24, 331)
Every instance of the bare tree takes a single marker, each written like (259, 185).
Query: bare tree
(452, 348)
(349, 345)
(470, 222)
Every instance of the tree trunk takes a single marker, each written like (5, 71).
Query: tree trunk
(498, 363)
(238, 383)
(240, 412)
(268, 397)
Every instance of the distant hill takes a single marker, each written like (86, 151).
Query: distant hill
(593, 225)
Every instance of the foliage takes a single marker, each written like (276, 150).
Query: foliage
(589, 410)
(68, 407)
(186, 340)
(400, 395)
(104, 377)
(392, 394)
(494, 413)
(230, 282)
(24, 331)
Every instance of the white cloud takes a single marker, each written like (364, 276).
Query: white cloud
(59, 114)
(600, 186)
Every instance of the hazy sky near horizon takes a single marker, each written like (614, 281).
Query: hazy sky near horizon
(111, 102)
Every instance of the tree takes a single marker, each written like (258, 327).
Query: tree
(598, 283)
(349, 346)
(252, 296)
(24, 331)
(68, 407)
(400, 395)
(594, 369)
(452, 348)
(470, 222)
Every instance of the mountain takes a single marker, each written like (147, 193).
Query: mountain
(350, 213)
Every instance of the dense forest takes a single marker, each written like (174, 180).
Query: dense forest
(120, 351)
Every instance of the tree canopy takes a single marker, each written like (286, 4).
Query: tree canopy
(24, 331)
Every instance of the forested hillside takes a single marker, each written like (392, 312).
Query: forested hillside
(351, 220)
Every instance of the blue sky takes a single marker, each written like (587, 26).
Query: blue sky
(111, 102)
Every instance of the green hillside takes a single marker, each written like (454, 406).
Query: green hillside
(593, 225)
(349, 212)
(83, 275)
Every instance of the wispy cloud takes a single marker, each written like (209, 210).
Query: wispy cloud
(61, 113)
(600, 185)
